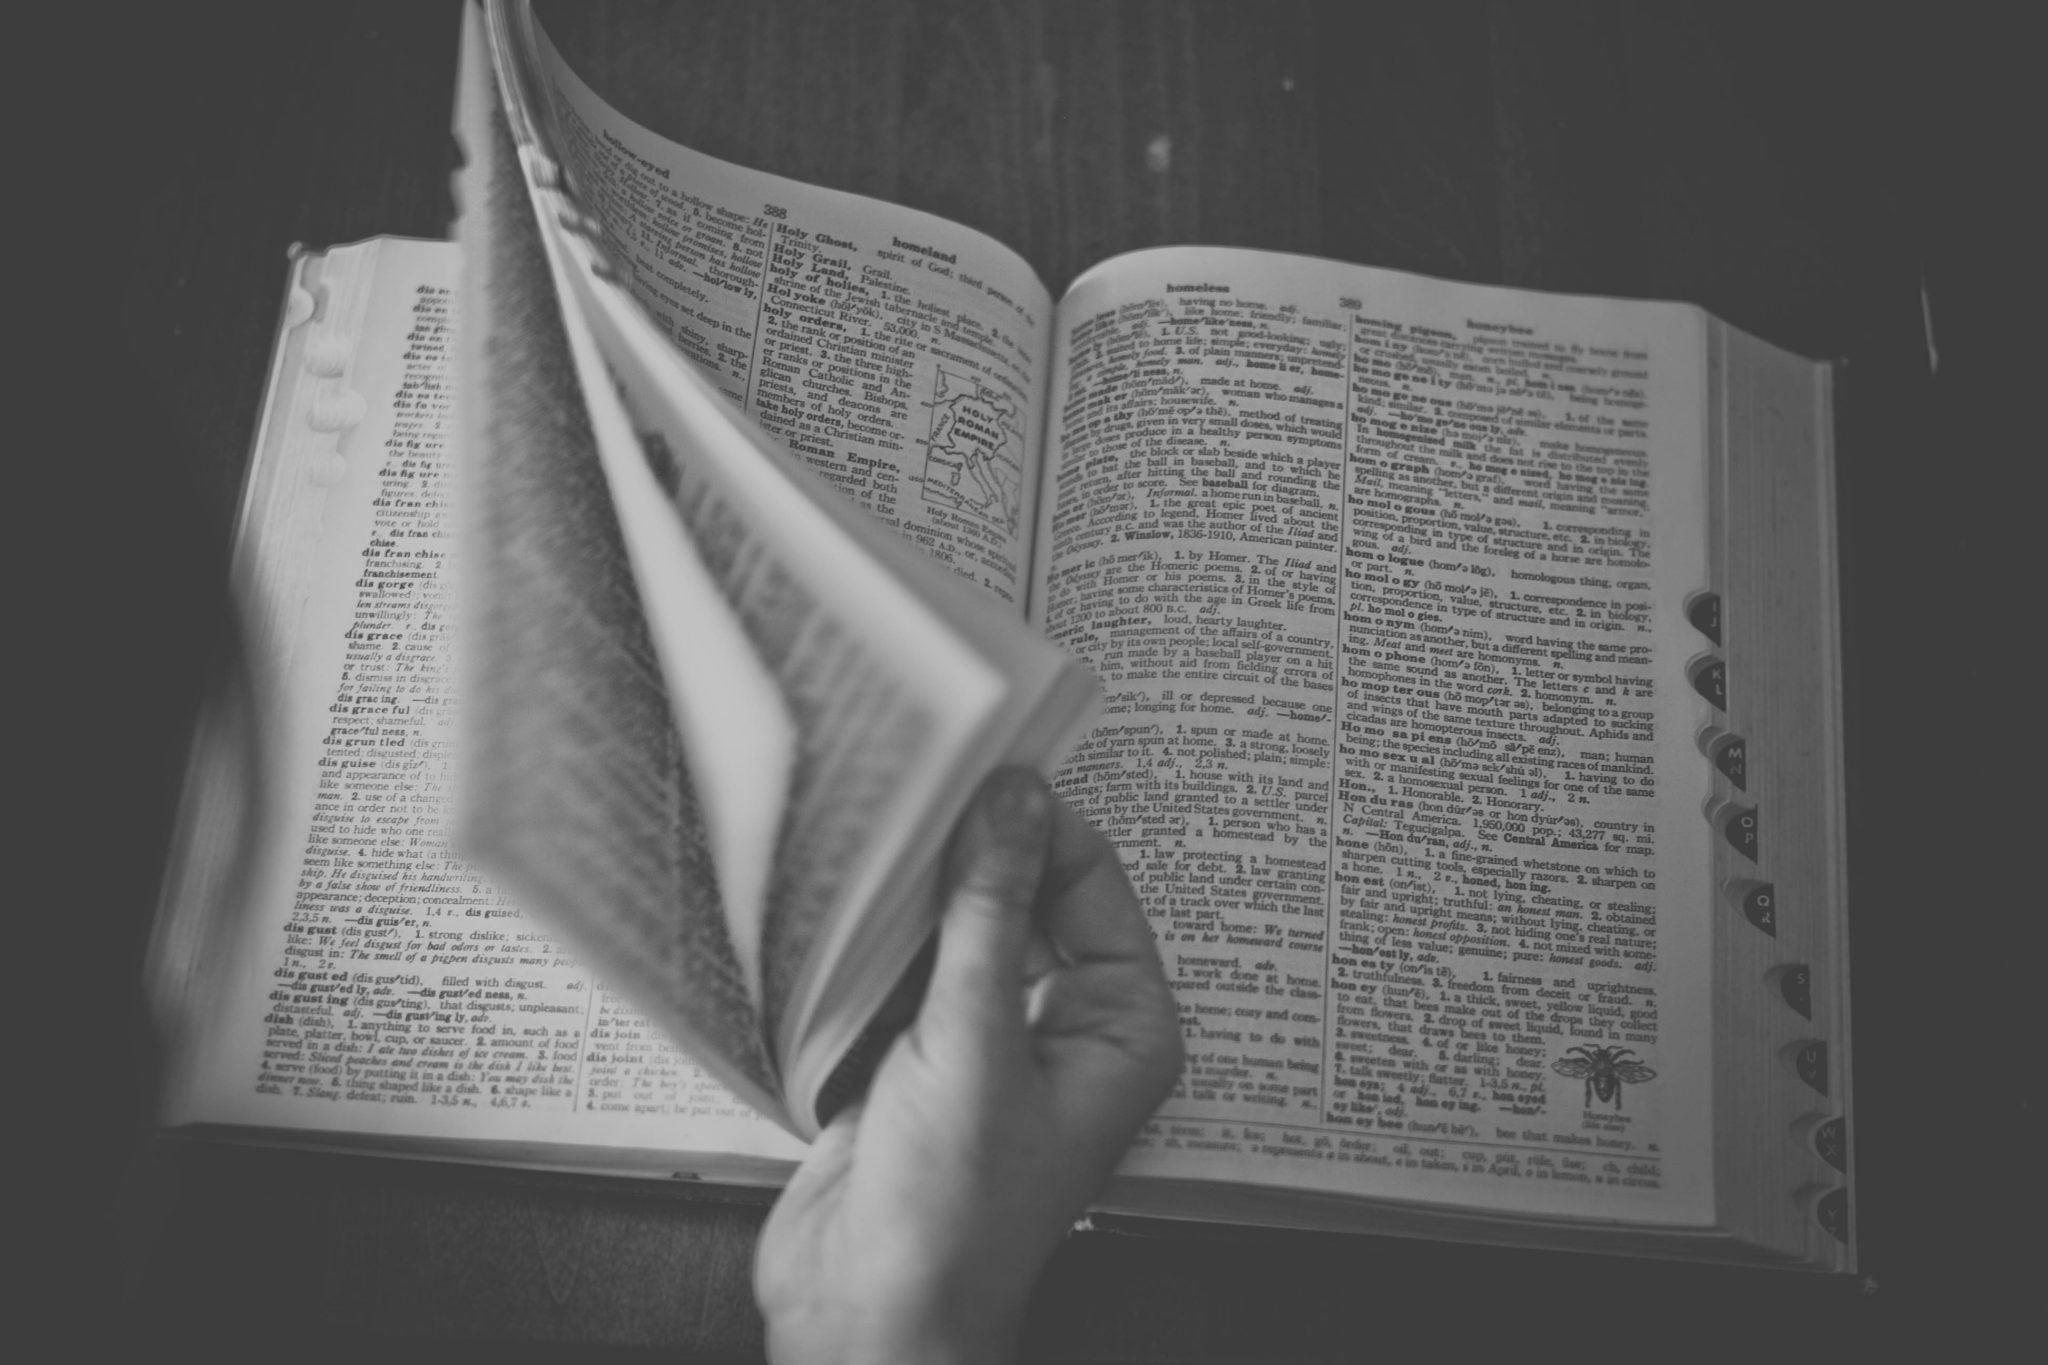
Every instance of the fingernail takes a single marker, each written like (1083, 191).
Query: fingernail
(1015, 802)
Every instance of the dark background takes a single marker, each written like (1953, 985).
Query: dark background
(1812, 174)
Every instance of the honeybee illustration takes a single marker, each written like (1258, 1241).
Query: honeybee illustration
(1603, 1069)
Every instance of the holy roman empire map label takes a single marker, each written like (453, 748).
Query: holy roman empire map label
(974, 459)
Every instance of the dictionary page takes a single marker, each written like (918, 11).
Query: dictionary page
(358, 985)
(1383, 577)
(899, 354)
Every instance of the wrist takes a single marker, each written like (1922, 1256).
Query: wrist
(957, 1329)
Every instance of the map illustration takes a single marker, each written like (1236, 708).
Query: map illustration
(974, 461)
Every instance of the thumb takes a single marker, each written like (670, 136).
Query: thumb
(992, 876)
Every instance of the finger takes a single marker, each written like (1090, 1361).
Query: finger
(997, 859)
(1085, 902)
(1040, 957)
(824, 1166)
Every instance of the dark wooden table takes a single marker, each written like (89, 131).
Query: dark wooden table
(1827, 178)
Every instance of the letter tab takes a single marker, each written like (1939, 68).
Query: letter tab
(1703, 609)
(1795, 983)
(1709, 677)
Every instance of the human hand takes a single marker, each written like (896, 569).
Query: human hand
(916, 1227)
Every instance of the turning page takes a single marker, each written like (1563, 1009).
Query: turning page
(904, 683)
(1383, 577)
(901, 355)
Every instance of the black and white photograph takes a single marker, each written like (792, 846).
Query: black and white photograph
(1025, 680)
